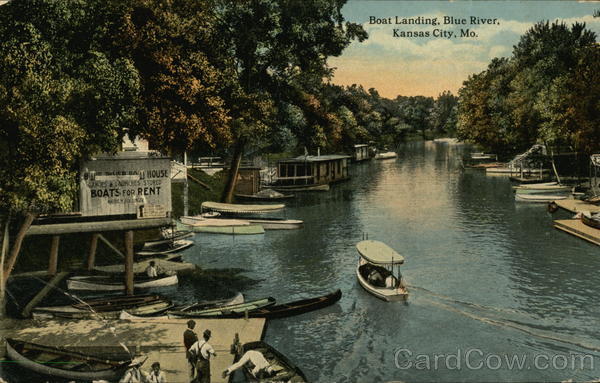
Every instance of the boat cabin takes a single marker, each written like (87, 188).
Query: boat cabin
(312, 170)
(361, 153)
(378, 270)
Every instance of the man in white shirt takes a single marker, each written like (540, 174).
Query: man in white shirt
(152, 270)
(257, 359)
(156, 375)
(201, 352)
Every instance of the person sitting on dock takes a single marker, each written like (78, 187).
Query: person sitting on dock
(201, 352)
(261, 368)
(189, 338)
(152, 270)
(156, 375)
(134, 374)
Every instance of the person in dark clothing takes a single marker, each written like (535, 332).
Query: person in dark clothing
(189, 338)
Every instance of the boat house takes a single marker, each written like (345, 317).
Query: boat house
(361, 153)
(306, 171)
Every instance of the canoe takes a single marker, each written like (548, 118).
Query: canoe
(108, 283)
(62, 363)
(284, 369)
(202, 305)
(106, 308)
(301, 188)
(238, 310)
(591, 220)
(240, 208)
(377, 256)
(173, 247)
(540, 198)
(293, 308)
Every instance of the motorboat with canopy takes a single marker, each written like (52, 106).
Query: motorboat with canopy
(378, 270)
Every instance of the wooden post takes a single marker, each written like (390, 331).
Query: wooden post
(53, 261)
(91, 261)
(129, 262)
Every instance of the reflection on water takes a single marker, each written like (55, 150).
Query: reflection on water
(486, 274)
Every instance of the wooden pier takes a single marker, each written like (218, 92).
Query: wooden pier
(160, 340)
(579, 229)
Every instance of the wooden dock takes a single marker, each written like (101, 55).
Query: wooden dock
(575, 206)
(579, 229)
(160, 340)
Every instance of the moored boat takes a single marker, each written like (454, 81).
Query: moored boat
(540, 198)
(110, 283)
(224, 311)
(592, 220)
(375, 270)
(62, 363)
(385, 155)
(164, 249)
(240, 208)
(300, 188)
(265, 195)
(106, 308)
(283, 370)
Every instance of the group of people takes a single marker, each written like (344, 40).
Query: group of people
(198, 354)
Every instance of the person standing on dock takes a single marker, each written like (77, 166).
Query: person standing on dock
(189, 338)
(201, 352)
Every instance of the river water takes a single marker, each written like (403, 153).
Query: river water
(496, 293)
(493, 284)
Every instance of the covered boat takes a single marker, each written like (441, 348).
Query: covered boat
(111, 283)
(62, 363)
(283, 370)
(378, 270)
(106, 308)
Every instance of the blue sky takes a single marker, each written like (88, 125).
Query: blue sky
(429, 65)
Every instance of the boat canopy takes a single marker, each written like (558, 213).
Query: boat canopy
(239, 208)
(378, 253)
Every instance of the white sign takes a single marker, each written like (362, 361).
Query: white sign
(119, 185)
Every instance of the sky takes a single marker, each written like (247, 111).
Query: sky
(429, 65)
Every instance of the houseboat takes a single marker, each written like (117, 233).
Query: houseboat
(361, 153)
(311, 172)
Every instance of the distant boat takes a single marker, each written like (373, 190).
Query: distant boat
(541, 198)
(61, 363)
(238, 310)
(480, 156)
(106, 308)
(110, 283)
(385, 155)
(375, 270)
(300, 188)
(265, 195)
(283, 368)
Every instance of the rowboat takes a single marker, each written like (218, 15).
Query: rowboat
(240, 208)
(301, 188)
(540, 198)
(169, 264)
(224, 311)
(172, 247)
(542, 188)
(271, 223)
(168, 235)
(375, 270)
(107, 308)
(200, 224)
(264, 195)
(202, 305)
(592, 220)
(283, 368)
(385, 155)
(62, 363)
(109, 283)
(292, 308)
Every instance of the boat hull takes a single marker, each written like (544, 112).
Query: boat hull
(384, 293)
(289, 371)
(104, 284)
(589, 221)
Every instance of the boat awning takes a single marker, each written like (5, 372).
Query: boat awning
(239, 208)
(378, 253)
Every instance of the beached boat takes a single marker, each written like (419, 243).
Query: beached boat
(375, 270)
(265, 195)
(107, 308)
(110, 283)
(240, 208)
(540, 198)
(61, 363)
(592, 220)
(385, 155)
(224, 311)
(197, 306)
(164, 249)
(283, 369)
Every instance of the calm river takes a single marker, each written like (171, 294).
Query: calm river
(496, 293)
(491, 278)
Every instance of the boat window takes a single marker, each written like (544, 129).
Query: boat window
(300, 171)
(283, 170)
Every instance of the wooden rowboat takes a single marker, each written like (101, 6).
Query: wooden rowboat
(62, 363)
(107, 308)
(591, 220)
(539, 198)
(236, 311)
(108, 283)
(283, 368)
(163, 249)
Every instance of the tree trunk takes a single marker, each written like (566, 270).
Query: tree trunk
(227, 195)
(9, 263)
